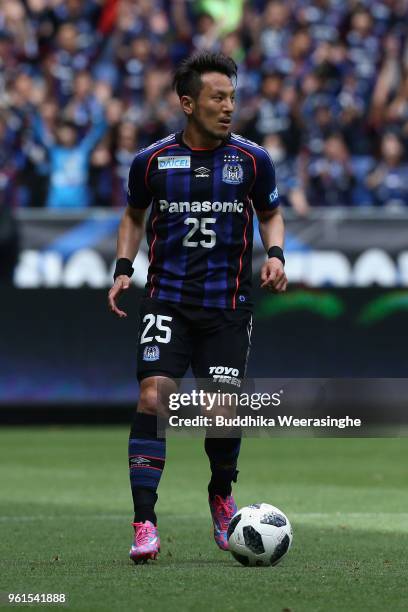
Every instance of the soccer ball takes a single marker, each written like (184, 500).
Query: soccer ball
(259, 534)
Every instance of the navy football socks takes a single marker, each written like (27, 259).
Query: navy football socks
(223, 455)
(147, 455)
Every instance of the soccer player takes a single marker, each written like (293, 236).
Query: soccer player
(202, 185)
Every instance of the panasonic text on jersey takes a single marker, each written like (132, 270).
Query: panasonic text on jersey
(182, 207)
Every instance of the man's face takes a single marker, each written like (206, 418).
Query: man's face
(66, 136)
(391, 148)
(272, 86)
(212, 110)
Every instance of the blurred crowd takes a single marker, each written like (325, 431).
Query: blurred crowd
(84, 84)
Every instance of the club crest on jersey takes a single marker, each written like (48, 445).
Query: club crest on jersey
(151, 353)
(174, 161)
(232, 173)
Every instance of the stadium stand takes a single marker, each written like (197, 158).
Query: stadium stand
(84, 84)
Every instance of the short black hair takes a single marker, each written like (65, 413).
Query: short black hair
(187, 78)
(63, 122)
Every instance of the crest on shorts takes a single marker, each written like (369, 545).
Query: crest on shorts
(232, 173)
(151, 353)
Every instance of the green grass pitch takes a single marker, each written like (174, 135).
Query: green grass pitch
(66, 511)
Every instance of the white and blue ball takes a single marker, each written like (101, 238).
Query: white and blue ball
(259, 534)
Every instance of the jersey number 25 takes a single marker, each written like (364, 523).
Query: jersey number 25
(200, 225)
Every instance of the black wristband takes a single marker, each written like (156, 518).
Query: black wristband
(123, 266)
(276, 251)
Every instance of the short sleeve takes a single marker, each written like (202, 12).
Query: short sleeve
(264, 193)
(138, 194)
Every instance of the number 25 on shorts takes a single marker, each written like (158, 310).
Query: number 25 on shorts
(152, 320)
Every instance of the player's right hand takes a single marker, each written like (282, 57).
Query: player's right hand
(122, 283)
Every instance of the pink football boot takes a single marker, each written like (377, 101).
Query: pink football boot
(222, 511)
(146, 544)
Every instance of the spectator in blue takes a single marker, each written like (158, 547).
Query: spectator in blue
(101, 179)
(291, 190)
(277, 29)
(363, 49)
(331, 175)
(388, 182)
(323, 17)
(135, 65)
(67, 60)
(274, 115)
(125, 149)
(69, 161)
(84, 103)
(84, 15)
(321, 125)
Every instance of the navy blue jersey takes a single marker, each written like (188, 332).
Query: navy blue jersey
(200, 228)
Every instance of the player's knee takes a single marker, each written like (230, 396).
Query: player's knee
(148, 399)
(154, 396)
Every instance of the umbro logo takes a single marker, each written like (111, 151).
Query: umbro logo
(139, 460)
(202, 172)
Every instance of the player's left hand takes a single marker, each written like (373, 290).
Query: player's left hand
(273, 277)
(121, 284)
